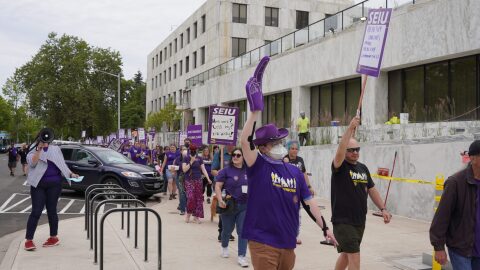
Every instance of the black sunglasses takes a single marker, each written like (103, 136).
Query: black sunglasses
(351, 150)
(237, 155)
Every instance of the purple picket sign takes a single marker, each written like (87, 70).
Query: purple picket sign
(194, 133)
(374, 39)
(223, 125)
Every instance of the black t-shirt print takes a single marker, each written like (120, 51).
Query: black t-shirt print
(350, 184)
(298, 162)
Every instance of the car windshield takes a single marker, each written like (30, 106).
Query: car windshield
(110, 156)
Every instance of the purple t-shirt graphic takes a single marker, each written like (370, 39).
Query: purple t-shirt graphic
(194, 172)
(275, 189)
(233, 179)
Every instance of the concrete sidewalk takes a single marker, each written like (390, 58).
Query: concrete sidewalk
(195, 246)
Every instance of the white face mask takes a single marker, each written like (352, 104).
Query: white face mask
(184, 152)
(278, 152)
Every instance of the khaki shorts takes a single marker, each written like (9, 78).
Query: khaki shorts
(349, 237)
(265, 257)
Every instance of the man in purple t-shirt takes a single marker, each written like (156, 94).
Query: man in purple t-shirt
(134, 151)
(450, 227)
(275, 189)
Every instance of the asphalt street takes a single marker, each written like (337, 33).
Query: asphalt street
(15, 202)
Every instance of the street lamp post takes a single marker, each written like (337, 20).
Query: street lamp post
(118, 94)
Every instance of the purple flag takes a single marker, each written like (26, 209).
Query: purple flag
(223, 125)
(194, 132)
(374, 39)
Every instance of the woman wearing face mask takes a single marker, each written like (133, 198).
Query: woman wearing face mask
(193, 168)
(275, 189)
(47, 169)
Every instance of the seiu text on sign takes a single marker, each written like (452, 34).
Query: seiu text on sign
(224, 111)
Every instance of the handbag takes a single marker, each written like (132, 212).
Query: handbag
(231, 206)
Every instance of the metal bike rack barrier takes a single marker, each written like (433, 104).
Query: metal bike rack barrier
(95, 230)
(88, 199)
(87, 191)
(90, 215)
(140, 209)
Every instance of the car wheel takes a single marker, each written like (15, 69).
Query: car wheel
(114, 181)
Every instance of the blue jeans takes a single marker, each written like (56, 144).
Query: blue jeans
(46, 194)
(181, 193)
(460, 262)
(228, 222)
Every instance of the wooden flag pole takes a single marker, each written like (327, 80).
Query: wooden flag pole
(364, 83)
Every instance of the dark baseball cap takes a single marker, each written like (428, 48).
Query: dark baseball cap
(474, 148)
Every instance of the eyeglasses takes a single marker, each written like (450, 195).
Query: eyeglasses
(237, 155)
(351, 150)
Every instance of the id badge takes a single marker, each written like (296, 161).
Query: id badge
(244, 189)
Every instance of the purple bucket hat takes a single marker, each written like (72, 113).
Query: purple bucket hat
(269, 133)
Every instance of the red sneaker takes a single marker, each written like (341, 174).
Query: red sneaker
(29, 245)
(52, 241)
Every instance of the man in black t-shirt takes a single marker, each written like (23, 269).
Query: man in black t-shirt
(351, 186)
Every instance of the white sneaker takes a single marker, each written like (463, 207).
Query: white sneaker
(225, 253)
(242, 261)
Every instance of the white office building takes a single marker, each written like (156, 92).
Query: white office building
(217, 32)
(430, 70)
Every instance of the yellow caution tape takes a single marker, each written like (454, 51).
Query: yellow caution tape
(400, 179)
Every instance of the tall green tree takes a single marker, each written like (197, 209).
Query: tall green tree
(168, 116)
(134, 102)
(6, 114)
(66, 90)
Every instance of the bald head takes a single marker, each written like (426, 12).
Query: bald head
(353, 151)
(352, 143)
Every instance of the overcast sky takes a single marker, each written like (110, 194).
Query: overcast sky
(134, 28)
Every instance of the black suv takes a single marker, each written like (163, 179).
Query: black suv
(101, 165)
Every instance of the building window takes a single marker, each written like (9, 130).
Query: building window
(156, 60)
(181, 41)
(175, 97)
(174, 71)
(204, 23)
(156, 81)
(160, 79)
(165, 53)
(271, 16)
(187, 64)
(239, 13)
(160, 57)
(165, 76)
(151, 105)
(156, 106)
(188, 35)
(195, 28)
(331, 22)
(194, 60)
(153, 62)
(169, 74)
(181, 67)
(302, 19)
(206, 113)
(175, 45)
(170, 47)
(202, 55)
(239, 46)
(278, 109)
(437, 91)
(153, 83)
(335, 101)
(242, 117)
